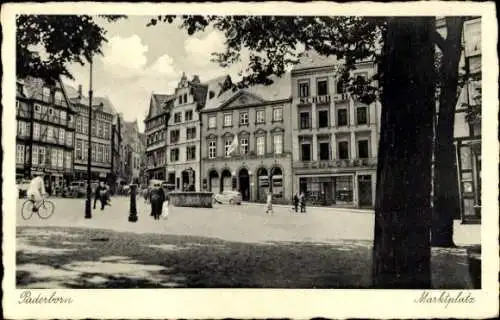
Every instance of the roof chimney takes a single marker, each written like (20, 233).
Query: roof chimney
(80, 95)
(196, 79)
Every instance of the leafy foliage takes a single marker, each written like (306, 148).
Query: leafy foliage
(45, 44)
(274, 43)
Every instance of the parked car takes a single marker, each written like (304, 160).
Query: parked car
(228, 197)
(22, 187)
(79, 188)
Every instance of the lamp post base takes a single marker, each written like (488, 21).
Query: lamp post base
(88, 209)
(133, 205)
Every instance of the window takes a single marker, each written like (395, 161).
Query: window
(227, 146)
(277, 114)
(53, 158)
(93, 128)
(180, 99)
(191, 153)
(303, 89)
(322, 87)
(323, 119)
(22, 128)
(185, 98)
(228, 119)
(177, 117)
(99, 129)
(85, 150)
(278, 143)
(343, 150)
(60, 158)
(212, 149)
(324, 151)
(36, 130)
(34, 157)
(362, 149)
(305, 151)
(99, 153)
(61, 136)
(49, 135)
(261, 145)
(67, 161)
(361, 115)
(69, 138)
(191, 133)
(63, 115)
(20, 154)
(106, 131)
(243, 118)
(341, 117)
(174, 155)
(212, 122)
(85, 126)
(93, 152)
(174, 136)
(78, 148)
(188, 115)
(107, 154)
(304, 120)
(260, 116)
(340, 86)
(244, 146)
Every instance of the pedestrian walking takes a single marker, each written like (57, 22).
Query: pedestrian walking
(157, 197)
(269, 203)
(302, 201)
(296, 202)
(101, 194)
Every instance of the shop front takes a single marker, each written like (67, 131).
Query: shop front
(328, 190)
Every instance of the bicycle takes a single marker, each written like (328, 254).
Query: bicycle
(44, 208)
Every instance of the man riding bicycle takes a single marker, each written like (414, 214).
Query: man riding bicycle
(36, 191)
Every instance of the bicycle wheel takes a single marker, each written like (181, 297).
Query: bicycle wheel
(27, 210)
(46, 209)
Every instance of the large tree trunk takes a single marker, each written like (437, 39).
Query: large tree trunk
(401, 252)
(446, 199)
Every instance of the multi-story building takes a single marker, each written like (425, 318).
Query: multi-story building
(259, 119)
(116, 148)
(467, 128)
(133, 151)
(101, 129)
(335, 138)
(45, 131)
(155, 132)
(183, 125)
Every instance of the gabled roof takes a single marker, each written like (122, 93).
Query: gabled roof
(280, 89)
(312, 59)
(32, 88)
(74, 97)
(157, 103)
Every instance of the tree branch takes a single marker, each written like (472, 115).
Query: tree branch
(438, 40)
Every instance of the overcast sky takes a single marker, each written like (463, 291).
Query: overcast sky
(140, 60)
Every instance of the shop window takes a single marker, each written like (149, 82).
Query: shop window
(343, 189)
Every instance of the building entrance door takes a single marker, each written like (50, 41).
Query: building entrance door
(365, 191)
(244, 184)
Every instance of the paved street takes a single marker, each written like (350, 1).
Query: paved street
(227, 246)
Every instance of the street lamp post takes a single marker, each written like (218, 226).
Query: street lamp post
(88, 202)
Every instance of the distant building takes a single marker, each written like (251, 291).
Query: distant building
(116, 153)
(45, 131)
(133, 151)
(101, 132)
(258, 118)
(335, 138)
(468, 125)
(156, 136)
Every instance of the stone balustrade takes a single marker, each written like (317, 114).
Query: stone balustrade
(191, 199)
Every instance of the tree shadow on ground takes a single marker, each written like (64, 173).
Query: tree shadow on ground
(83, 258)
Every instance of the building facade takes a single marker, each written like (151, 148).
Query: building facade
(45, 132)
(183, 147)
(101, 133)
(335, 138)
(133, 151)
(116, 143)
(155, 135)
(467, 129)
(258, 118)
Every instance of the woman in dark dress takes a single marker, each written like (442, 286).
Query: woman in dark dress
(156, 197)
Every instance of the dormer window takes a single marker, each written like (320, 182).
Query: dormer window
(211, 95)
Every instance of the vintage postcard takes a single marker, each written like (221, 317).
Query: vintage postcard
(240, 160)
